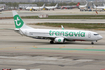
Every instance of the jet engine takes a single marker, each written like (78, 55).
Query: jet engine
(59, 40)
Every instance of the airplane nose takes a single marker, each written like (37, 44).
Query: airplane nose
(100, 37)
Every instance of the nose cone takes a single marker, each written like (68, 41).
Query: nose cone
(100, 37)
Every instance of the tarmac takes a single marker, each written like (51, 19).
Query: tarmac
(20, 52)
(51, 12)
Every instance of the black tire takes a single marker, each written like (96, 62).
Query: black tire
(51, 42)
(92, 43)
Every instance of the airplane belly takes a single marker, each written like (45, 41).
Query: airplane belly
(76, 39)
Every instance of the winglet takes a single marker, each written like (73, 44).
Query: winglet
(62, 27)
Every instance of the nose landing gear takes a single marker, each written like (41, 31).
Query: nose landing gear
(93, 42)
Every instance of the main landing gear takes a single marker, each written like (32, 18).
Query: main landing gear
(92, 43)
(51, 42)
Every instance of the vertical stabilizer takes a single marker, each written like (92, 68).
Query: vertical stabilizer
(56, 5)
(62, 27)
(86, 3)
(94, 6)
(78, 4)
(43, 6)
(18, 21)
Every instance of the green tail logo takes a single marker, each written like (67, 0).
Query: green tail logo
(18, 21)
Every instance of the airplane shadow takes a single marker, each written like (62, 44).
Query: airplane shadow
(47, 43)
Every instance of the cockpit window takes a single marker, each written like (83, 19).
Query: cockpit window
(96, 34)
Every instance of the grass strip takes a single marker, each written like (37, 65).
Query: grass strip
(68, 17)
(62, 17)
(75, 25)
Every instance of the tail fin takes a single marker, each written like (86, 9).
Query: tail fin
(78, 4)
(62, 27)
(18, 21)
(56, 5)
(43, 6)
(94, 5)
(103, 4)
(86, 3)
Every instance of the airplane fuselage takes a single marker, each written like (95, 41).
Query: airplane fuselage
(56, 36)
(70, 35)
(100, 7)
(50, 8)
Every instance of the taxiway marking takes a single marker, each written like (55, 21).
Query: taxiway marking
(69, 49)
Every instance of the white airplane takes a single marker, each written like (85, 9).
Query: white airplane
(36, 8)
(99, 7)
(51, 7)
(83, 6)
(56, 36)
(71, 7)
(1, 8)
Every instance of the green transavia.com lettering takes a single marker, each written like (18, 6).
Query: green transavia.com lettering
(67, 33)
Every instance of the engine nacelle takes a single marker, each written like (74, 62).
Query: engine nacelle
(59, 40)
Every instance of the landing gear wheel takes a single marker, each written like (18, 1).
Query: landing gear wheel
(64, 41)
(51, 42)
(92, 43)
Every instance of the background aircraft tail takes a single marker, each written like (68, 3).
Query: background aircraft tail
(78, 4)
(94, 6)
(56, 5)
(43, 6)
(103, 4)
(86, 3)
